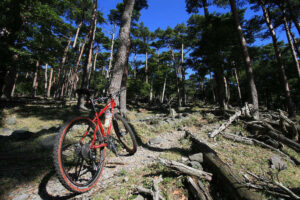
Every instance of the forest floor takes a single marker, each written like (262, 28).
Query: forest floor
(26, 170)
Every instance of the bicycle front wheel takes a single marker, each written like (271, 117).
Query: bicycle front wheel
(77, 165)
(125, 134)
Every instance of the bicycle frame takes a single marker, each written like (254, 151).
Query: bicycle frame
(98, 124)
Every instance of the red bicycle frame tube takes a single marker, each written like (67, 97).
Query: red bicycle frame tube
(97, 120)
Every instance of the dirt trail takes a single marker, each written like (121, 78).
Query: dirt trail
(50, 187)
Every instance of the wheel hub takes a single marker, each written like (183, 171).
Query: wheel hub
(86, 151)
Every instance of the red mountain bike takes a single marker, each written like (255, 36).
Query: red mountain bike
(79, 150)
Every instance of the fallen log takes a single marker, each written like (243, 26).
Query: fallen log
(276, 135)
(238, 138)
(186, 169)
(231, 181)
(273, 133)
(226, 124)
(291, 123)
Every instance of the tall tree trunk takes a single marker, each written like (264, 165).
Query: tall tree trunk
(164, 89)
(205, 7)
(183, 74)
(111, 52)
(288, 35)
(212, 87)
(135, 67)
(10, 81)
(146, 67)
(123, 107)
(294, 18)
(46, 80)
(289, 102)
(294, 40)
(76, 36)
(238, 85)
(221, 87)
(35, 79)
(50, 82)
(62, 70)
(151, 90)
(247, 60)
(227, 91)
(3, 74)
(121, 58)
(93, 68)
(81, 52)
(178, 90)
(88, 65)
(14, 85)
(177, 77)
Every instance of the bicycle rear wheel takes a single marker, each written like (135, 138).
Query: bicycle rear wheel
(78, 166)
(125, 134)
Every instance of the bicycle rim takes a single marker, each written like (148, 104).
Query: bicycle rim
(125, 136)
(79, 166)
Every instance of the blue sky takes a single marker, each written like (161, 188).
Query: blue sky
(164, 13)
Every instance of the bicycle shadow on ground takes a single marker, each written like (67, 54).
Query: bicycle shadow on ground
(44, 194)
(184, 152)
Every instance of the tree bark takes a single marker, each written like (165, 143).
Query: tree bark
(219, 73)
(111, 51)
(205, 7)
(35, 79)
(146, 67)
(164, 89)
(247, 60)
(46, 80)
(293, 16)
(237, 85)
(88, 65)
(288, 35)
(123, 107)
(14, 85)
(121, 59)
(212, 87)
(3, 74)
(10, 81)
(183, 74)
(294, 40)
(77, 32)
(151, 90)
(50, 83)
(135, 67)
(62, 70)
(232, 181)
(285, 83)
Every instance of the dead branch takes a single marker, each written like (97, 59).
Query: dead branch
(202, 187)
(198, 193)
(147, 192)
(185, 169)
(156, 181)
(226, 124)
(265, 181)
(292, 194)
